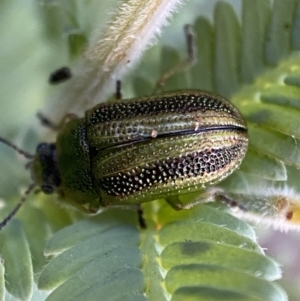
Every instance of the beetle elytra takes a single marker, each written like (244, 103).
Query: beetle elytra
(130, 152)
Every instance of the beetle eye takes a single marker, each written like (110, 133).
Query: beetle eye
(47, 189)
(41, 147)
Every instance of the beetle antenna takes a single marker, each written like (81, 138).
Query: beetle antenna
(18, 150)
(18, 206)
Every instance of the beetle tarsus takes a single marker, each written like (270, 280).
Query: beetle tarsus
(45, 121)
(141, 218)
(230, 202)
(185, 64)
(118, 94)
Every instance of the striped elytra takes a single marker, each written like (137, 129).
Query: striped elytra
(139, 150)
(200, 139)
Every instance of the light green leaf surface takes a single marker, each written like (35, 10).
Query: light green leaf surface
(270, 168)
(200, 254)
(213, 253)
(253, 37)
(96, 246)
(222, 278)
(227, 49)
(193, 230)
(207, 293)
(275, 145)
(206, 214)
(16, 256)
(279, 37)
(2, 282)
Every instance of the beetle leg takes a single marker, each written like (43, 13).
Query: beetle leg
(136, 207)
(94, 206)
(88, 208)
(174, 202)
(187, 63)
(204, 197)
(141, 218)
(209, 195)
(81, 208)
(45, 121)
(118, 94)
(230, 202)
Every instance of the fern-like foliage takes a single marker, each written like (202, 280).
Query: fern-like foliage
(201, 254)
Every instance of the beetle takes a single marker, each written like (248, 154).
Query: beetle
(138, 150)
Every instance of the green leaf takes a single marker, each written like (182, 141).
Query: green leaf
(275, 145)
(97, 245)
(204, 214)
(209, 276)
(279, 37)
(37, 237)
(253, 37)
(207, 293)
(103, 273)
(19, 277)
(270, 169)
(2, 281)
(227, 49)
(92, 256)
(202, 74)
(267, 115)
(236, 258)
(111, 264)
(193, 230)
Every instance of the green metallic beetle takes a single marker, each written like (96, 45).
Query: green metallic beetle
(130, 152)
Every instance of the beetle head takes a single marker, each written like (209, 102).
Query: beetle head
(44, 171)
